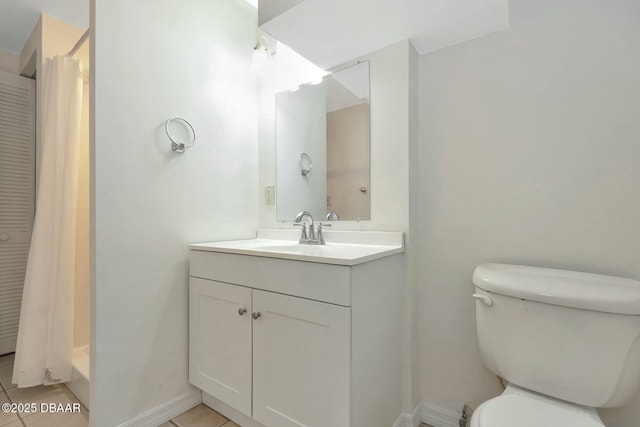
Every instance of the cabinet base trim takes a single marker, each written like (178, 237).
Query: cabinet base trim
(424, 413)
(165, 411)
(229, 412)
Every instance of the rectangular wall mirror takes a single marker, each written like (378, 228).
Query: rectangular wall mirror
(322, 147)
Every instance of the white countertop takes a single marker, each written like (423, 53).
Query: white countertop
(342, 247)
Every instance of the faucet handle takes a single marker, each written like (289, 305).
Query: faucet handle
(303, 235)
(319, 235)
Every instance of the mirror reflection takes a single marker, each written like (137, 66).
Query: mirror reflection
(322, 147)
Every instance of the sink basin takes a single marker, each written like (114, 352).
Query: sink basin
(278, 246)
(330, 253)
(329, 249)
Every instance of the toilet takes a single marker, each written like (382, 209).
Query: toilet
(566, 343)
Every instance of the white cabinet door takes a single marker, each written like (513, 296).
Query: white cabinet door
(301, 362)
(220, 341)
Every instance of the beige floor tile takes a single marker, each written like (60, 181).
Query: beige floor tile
(14, 424)
(42, 394)
(6, 373)
(7, 359)
(200, 416)
(62, 419)
(6, 417)
(167, 424)
(231, 424)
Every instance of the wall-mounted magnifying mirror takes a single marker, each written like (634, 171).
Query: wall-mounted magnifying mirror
(329, 122)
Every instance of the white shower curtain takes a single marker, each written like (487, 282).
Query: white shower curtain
(45, 333)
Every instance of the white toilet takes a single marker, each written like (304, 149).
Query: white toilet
(566, 342)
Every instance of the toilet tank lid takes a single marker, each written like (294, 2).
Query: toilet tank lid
(574, 289)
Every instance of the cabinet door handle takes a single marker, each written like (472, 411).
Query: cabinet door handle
(242, 311)
(256, 315)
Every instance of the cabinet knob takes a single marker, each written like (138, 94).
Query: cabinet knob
(256, 315)
(242, 311)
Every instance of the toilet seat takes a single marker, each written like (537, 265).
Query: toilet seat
(511, 410)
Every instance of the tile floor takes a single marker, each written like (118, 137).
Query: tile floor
(200, 416)
(41, 394)
(203, 416)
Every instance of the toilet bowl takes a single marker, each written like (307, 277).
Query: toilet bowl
(517, 407)
(566, 342)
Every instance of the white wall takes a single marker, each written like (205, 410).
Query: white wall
(9, 62)
(528, 154)
(151, 62)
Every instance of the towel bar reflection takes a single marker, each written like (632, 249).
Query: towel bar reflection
(305, 164)
(180, 147)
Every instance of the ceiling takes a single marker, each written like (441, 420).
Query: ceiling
(18, 17)
(332, 32)
(327, 32)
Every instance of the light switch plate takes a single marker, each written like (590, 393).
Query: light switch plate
(269, 194)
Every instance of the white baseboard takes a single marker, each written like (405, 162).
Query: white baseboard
(439, 417)
(410, 420)
(166, 411)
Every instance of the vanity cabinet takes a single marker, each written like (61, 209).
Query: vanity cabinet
(301, 354)
(284, 343)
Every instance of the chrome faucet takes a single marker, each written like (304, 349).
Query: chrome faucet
(312, 237)
(333, 216)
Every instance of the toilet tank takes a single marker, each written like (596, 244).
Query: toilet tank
(570, 335)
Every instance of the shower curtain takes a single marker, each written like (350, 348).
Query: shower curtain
(45, 332)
